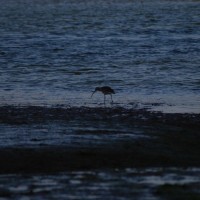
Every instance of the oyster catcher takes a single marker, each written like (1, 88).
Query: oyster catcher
(106, 90)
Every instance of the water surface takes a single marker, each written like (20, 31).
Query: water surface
(57, 52)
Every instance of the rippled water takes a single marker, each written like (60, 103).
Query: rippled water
(57, 52)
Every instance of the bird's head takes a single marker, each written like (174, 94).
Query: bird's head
(96, 89)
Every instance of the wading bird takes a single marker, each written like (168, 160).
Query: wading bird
(106, 91)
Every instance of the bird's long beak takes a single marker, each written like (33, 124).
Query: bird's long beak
(92, 93)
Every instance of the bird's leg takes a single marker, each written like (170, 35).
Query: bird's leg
(111, 98)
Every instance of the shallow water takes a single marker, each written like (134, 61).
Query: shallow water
(57, 52)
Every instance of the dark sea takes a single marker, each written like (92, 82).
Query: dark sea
(56, 142)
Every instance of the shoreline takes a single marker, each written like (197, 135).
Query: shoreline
(39, 114)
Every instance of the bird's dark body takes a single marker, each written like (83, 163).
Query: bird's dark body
(106, 90)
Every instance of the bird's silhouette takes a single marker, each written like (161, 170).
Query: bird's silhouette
(106, 90)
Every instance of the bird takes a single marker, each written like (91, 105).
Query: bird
(106, 90)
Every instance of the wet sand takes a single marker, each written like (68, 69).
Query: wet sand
(39, 114)
(173, 143)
